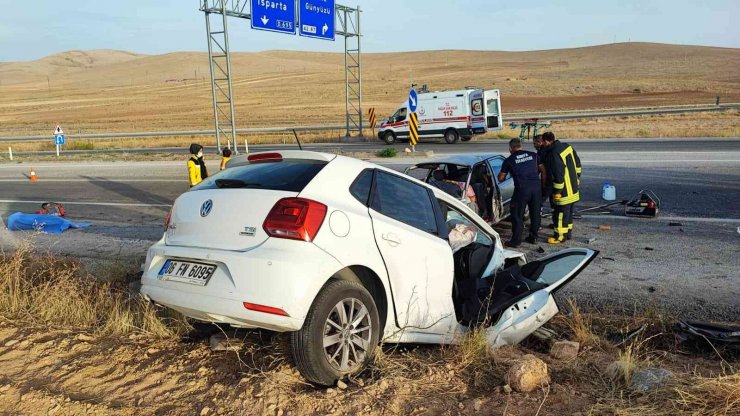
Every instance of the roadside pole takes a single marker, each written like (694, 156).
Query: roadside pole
(10, 153)
(58, 138)
(413, 119)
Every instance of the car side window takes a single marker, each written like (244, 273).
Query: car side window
(360, 188)
(495, 164)
(404, 201)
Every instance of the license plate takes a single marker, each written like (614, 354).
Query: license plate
(187, 272)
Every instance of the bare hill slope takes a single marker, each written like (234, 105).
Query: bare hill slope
(114, 90)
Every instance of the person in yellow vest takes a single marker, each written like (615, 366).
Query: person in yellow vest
(197, 171)
(226, 155)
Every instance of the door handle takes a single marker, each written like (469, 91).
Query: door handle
(392, 239)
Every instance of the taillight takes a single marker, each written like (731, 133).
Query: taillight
(265, 309)
(265, 158)
(295, 219)
(168, 218)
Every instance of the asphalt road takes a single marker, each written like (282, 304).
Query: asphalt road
(693, 178)
(690, 270)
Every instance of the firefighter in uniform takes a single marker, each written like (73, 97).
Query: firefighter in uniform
(197, 171)
(563, 167)
(529, 176)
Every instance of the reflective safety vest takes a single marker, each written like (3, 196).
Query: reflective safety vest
(565, 166)
(194, 171)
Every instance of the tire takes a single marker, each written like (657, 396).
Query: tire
(389, 137)
(325, 365)
(452, 136)
(467, 139)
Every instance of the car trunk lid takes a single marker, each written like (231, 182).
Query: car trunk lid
(233, 218)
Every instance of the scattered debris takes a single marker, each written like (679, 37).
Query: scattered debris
(675, 224)
(605, 227)
(506, 389)
(528, 374)
(407, 150)
(652, 289)
(429, 153)
(609, 258)
(649, 379)
(540, 250)
(565, 350)
(649, 249)
(591, 240)
(621, 338)
(707, 331)
(341, 385)
(544, 334)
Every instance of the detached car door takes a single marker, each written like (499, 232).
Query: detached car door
(418, 260)
(529, 313)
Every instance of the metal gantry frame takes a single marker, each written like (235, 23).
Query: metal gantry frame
(219, 59)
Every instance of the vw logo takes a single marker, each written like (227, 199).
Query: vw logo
(205, 209)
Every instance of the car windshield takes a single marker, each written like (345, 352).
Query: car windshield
(290, 175)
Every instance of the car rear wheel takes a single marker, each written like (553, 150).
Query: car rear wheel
(451, 136)
(389, 137)
(339, 335)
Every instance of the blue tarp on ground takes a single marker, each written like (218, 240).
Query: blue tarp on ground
(43, 223)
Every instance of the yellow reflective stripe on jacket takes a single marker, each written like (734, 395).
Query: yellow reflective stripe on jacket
(558, 185)
(194, 172)
(569, 199)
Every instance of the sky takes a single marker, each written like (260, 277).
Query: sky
(34, 29)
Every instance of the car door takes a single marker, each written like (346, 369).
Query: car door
(531, 312)
(411, 239)
(506, 187)
(492, 101)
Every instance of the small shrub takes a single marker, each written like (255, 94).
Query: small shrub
(80, 146)
(387, 152)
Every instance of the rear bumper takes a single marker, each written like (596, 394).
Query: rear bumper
(281, 274)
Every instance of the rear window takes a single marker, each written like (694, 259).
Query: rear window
(290, 175)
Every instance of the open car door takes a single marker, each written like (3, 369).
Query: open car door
(492, 101)
(532, 308)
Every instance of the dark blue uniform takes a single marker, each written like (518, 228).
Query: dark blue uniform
(524, 168)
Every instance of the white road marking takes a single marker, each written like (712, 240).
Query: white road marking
(663, 219)
(100, 204)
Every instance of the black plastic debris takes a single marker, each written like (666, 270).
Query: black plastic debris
(649, 249)
(715, 333)
(675, 224)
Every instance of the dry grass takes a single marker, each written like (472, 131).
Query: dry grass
(580, 325)
(44, 290)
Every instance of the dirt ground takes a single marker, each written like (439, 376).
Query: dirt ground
(68, 373)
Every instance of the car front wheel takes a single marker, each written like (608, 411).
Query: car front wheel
(339, 335)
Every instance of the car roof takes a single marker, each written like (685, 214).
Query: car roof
(464, 160)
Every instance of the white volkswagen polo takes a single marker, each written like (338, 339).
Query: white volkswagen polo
(342, 254)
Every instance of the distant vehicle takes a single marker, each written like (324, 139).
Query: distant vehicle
(452, 115)
(343, 253)
(478, 172)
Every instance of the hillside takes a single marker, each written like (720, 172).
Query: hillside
(120, 91)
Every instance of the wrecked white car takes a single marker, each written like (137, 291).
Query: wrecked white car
(344, 254)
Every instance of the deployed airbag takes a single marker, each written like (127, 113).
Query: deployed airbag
(49, 224)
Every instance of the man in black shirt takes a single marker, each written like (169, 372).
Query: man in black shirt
(529, 174)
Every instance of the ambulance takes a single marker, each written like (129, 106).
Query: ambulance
(452, 115)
